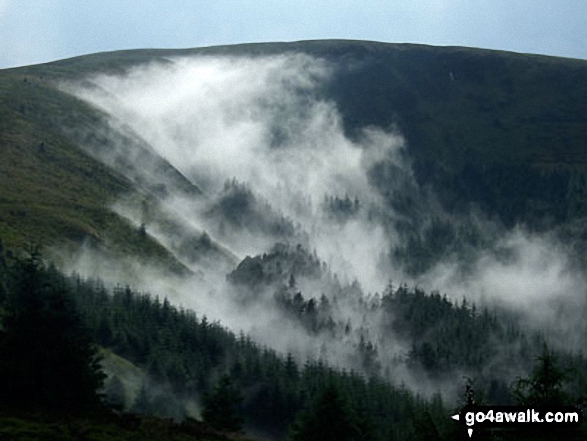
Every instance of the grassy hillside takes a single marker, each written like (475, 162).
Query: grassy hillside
(50, 188)
(52, 192)
(501, 130)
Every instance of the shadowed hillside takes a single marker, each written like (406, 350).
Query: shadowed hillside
(500, 130)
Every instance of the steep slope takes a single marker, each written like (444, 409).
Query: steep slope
(501, 130)
(489, 132)
(60, 175)
(53, 192)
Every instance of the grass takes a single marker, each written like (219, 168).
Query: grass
(455, 105)
(52, 192)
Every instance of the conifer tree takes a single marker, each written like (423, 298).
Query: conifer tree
(47, 360)
(329, 418)
(545, 386)
(222, 409)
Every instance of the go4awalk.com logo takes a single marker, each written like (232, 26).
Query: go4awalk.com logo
(519, 418)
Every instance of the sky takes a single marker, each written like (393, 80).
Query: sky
(37, 31)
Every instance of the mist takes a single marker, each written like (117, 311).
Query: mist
(259, 121)
(259, 130)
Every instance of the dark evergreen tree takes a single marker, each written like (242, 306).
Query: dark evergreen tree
(424, 427)
(3, 275)
(546, 385)
(329, 418)
(291, 368)
(222, 408)
(142, 231)
(47, 360)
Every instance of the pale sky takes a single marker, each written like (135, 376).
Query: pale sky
(36, 31)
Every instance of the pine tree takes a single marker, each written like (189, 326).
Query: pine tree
(3, 274)
(47, 360)
(222, 409)
(546, 384)
(424, 427)
(329, 418)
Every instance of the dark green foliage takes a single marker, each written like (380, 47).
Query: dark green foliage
(537, 192)
(47, 359)
(546, 386)
(445, 336)
(424, 428)
(281, 265)
(222, 408)
(187, 353)
(184, 355)
(328, 418)
(431, 240)
(124, 427)
(239, 207)
(473, 118)
(503, 132)
(368, 354)
(3, 277)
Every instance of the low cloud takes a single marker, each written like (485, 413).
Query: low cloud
(263, 122)
(260, 121)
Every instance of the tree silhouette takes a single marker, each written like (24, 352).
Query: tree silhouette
(328, 419)
(222, 408)
(47, 360)
(545, 386)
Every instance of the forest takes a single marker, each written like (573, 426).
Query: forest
(184, 358)
(290, 241)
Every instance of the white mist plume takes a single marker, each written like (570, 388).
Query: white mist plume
(260, 120)
(256, 120)
(529, 274)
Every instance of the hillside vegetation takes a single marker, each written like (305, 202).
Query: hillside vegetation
(484, 175)
(236, 380)
(52, 192)
(503, 131)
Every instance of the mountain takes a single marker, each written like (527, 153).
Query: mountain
(500, 130)
(291, 192)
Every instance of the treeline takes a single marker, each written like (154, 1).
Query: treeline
(47, 357)
(49, 322)
(192, 357)
(189, 357)
(340, 209)
(238, 207)
(428, 243)
(443, 336)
